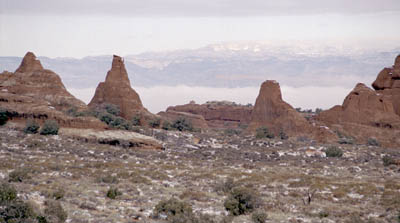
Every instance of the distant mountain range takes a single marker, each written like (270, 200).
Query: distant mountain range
(228, 65)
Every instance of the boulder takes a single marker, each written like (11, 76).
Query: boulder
(117, 90)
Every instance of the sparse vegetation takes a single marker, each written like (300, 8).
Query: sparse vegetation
(241, 200)
(373, 142)
(333, 151)
(259, 216)
(55, 212)
(50, 127)
(136, 120)
(7, 193)
(231, 132)
(181, 124)
(388, 160)
(155, 123)
(263, 132)
(112, 109)
(120, 123)
(282, 135)
(166, 125)
(19, 175)
(3, 116)
(31, 127)
(113, 193)
(172, 209)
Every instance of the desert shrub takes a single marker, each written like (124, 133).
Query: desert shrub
(109, 179)
(259, 217)
(227, 219)
(55, 212)
(50, 127)
(136, 120)
(373, 142)
(172, 208)
(19, 175)
(241, 200)
(231, 132)
(155, 123)
(120, 123)
(31, 127)
(166, 125)
(388, 160)
(345, 140)
(3, 116)
(283, 136)
(17, 211)
(58, 194)
(181, 124)
(225, 186)
(113, 193)
(106, 117)
(323, 214)
(112, 109)
(7, 193)
(333, 151)
(263, 132)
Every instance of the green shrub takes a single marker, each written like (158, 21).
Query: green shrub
(333, 151)
(120, 123)
(388, 160)
(7, 193)
(58, 194)
(106, 117)
(17, 211)
(54, 211)
(172, 208)
(181, 124)
(136, 120)
(19, 175)
(241, 200)
(283, 136)
(263, 132)
(259, 217)
(155, 123)
(112, 109)
(231, 132)
(3, 116)
(166, 125)
(50, 127)
(226, 186)
(113, 193)
(323, 214)
(109, 179)
(31, 127)
(373, 142)
(348, 141)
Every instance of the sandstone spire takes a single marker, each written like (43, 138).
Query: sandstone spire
(29, 64)
(117, 90)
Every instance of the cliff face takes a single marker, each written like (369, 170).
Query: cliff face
(117, 90)
(217, 114)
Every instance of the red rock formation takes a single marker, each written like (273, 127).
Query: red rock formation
(364, 114)
(363, 106)
(218, 114)
(117, 90)
(388, 84)
(34, 92)
(272, 112)
(197, 120)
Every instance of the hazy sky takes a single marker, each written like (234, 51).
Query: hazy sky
(77, 28)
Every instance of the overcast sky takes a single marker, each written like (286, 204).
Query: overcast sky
(77, 28)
